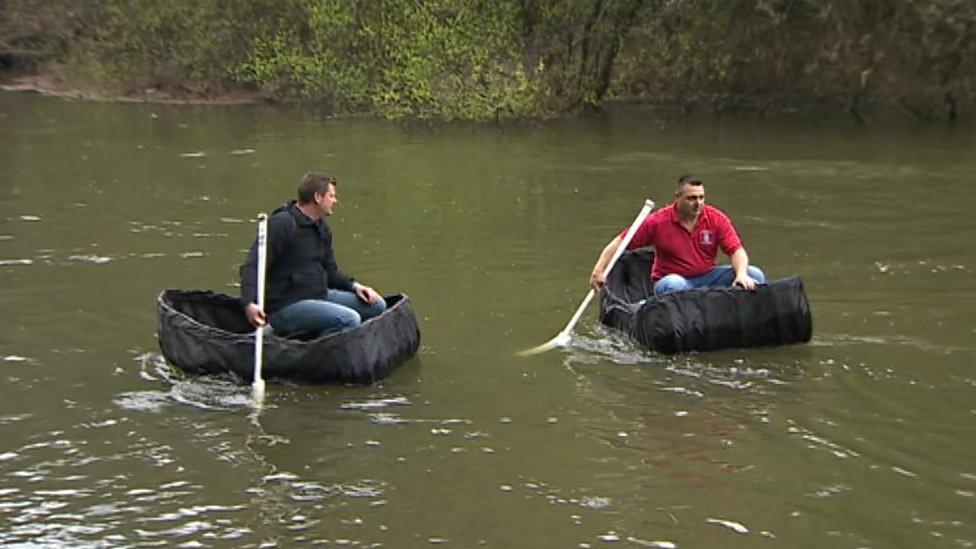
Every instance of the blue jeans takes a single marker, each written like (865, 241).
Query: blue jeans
(723, 275)
(336, 310)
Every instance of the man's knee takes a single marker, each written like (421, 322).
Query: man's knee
(671, 283)
(347, 319)
(757, 274)
(375, 309)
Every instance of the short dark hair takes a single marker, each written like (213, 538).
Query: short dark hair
(689, 179)
(312, 183)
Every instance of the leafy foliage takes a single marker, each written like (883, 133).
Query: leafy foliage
(485, 59)
(440, 58)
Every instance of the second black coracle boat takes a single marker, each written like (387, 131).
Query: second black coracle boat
(776, 313)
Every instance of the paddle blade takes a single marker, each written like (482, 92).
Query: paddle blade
(561, 340)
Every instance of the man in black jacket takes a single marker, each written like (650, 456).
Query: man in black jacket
(306, 295)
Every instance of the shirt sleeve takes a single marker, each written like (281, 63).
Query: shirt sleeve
(337, 279)
(643, 237)
(728, 239)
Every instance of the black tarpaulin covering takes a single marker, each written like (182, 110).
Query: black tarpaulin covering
(205, 332)
(776, 313)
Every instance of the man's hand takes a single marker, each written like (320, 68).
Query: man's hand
(745, 282)
(366, 293)
(597, 280)
(740, 264)
(255, 315)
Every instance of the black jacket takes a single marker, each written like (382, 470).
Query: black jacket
(300, 261)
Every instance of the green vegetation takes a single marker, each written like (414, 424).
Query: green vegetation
(485, 59)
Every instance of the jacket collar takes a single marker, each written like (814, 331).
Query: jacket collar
(300, 218)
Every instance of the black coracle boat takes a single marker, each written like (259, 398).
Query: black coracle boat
(204, 332)
(775, 313)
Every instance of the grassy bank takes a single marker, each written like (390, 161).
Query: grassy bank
(480, 59)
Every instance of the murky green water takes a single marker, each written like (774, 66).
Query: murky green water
(865, 437)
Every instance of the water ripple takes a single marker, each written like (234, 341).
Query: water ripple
(374, 404)
(819, 442)
(839, 340)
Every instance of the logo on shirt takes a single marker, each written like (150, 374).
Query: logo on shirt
(707, 237)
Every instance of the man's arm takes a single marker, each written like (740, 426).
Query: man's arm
(341, 281)
(254, 313)
(597, 280)
(337, 279)
(740, 264)
(277, 237)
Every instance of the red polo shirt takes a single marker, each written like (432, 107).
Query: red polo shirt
(676, 251)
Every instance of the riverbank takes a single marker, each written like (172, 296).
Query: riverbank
(671, 110)
(456, 60)
(73, 91)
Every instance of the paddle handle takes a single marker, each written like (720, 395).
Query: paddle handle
(262, 250)
(645, 211)
(576, 316)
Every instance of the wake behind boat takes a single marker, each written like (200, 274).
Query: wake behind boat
(204, 332)
(705, 319)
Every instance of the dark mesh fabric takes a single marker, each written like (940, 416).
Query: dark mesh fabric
(207, 333)
(776, 313)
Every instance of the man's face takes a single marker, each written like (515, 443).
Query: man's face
(690, 200)
(327, 200)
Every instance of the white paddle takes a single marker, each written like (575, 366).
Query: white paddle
(257, 387)
(563, 337)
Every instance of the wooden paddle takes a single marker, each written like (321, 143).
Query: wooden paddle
(257, 387)
(562, 338)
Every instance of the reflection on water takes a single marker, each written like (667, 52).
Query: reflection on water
(864, 437)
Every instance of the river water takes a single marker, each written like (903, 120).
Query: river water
(865, 437)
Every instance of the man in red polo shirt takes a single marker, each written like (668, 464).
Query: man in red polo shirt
(686, 236)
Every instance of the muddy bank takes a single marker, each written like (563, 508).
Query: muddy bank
(780, 106)
(56, 87)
